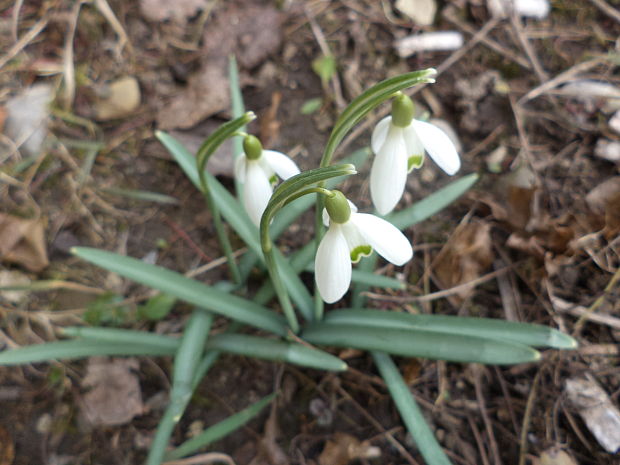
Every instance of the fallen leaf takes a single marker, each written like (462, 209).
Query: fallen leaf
(251, 34)
(115, 396)
(465, 256)
(270, 451)
(122, 97)
(7, 449)
(344, 448)
(594, 406)
(27, 118)
(555, 456)
(422, 12)
(180, 10)
(22, 241)
(604, 200)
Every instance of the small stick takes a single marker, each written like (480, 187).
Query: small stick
(527, 418)
(24, 41)
(608, 10)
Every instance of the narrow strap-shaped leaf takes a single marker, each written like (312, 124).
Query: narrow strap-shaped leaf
(61, 350)
(432, 204)
(122, 336)
(270, 349)
(186, 289)
(219, 430)
(487, 328)
(409, 411)
(186, 360)
(420, 343)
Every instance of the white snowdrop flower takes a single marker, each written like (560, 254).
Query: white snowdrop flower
(256, 170)
(399, 142)
(351, 236)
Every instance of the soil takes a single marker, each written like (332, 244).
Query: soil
(542, 236)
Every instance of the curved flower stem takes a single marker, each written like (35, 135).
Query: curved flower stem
(205, 151)
(290, 190)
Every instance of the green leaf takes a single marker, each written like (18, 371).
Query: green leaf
(311, 105)
(432, 204)
(146, 196)
(410, 412)
(269, 349)
(77, 349)
(157, 307)
(219, 430)
(186, 360)
(416, 342)
(186, 289)
(486, 328)
(324, 67)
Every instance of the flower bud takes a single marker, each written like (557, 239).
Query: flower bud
(338, 207)
(252, 147)
(402, 110)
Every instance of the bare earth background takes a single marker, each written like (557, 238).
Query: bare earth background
(533, 104)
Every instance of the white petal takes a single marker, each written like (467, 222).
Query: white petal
(282, 165)
(240, 168)
(380, 133)
(256, 191)
(438, 145)
(384, 237)
(389, 172)
(412, 141)
(332, 267)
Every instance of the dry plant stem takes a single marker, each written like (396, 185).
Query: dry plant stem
(24, 41)
(108, 14)
(525, 143)
(453, 18)
(15, 19)
(517, 26)
(441, 294)
(596, 304)
(511, 411)
(608, 10)
(389, 436)
(527, 418)
(68, 68)
(561, 78)
(325, 50)
(203, 459)
(479, 442)
(497, 460)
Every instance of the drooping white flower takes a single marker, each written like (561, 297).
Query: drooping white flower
(255, 170)
(399, 143)
(351, 236)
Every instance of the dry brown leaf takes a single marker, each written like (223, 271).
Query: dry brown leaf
(179, 10)
(7, 449)
(270, 451)
(122, 97)
(22, 241)
(465, 256)
(555, 456)
(604, 200)
(115, 396)
(250, 33)
(344, 448)
(600, 415)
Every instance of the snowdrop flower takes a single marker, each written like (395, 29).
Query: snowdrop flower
(399, 142)
(350, 236)
(256, 169)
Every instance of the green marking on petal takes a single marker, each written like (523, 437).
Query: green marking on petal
(360, 251)
(415, 162)
(273, 180)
